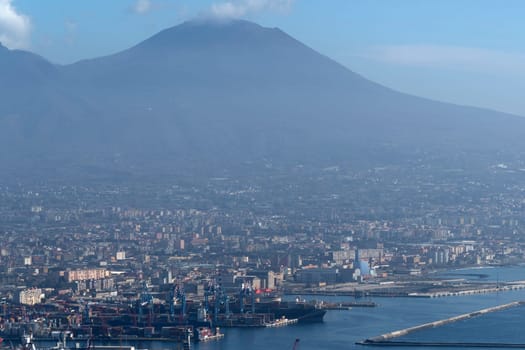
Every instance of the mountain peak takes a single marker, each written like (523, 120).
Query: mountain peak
(209, 31)
(215, 23)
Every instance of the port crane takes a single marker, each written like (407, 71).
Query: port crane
(219, 298)
(146, 300)
(244, 292)
(177, 296)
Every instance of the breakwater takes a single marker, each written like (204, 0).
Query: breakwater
(447, 344)
(386, 339)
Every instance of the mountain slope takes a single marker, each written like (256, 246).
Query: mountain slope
(220, 93)
(38, 111)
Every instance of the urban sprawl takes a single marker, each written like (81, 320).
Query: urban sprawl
(76, 256)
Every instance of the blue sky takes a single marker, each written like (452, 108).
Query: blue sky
(463, 51)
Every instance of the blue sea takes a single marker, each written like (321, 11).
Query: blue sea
(341, 329)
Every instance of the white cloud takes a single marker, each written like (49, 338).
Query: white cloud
(70, 27)
(141, 6)
(442, 56)
(241, 8)
(15, 28)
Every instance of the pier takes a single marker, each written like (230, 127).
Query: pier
(446, 344)
(505, 288)
(386, 339)
(431, 288)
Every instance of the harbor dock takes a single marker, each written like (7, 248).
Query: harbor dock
(505, 288)
(448, 344)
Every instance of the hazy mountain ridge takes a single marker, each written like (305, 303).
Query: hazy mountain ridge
(222, 93)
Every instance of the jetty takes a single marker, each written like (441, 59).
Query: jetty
(387, 338)
(505, 288)
(448, 344)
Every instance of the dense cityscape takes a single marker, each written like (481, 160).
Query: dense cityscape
(383, 231)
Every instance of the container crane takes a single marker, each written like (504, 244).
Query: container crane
(244, 292)
(181, 297)
(146, 300)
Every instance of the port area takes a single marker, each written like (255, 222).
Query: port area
(414, 288)
(387, 339)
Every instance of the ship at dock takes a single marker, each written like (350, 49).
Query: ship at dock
(258, 301)
(167, 317)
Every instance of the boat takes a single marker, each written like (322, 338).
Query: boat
(203, 334)
(281, 322)
(302, 311)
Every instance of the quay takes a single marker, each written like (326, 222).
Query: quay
(440, 294)
(415, 289)
(446, 344)
(385, 339)
(115, 340)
